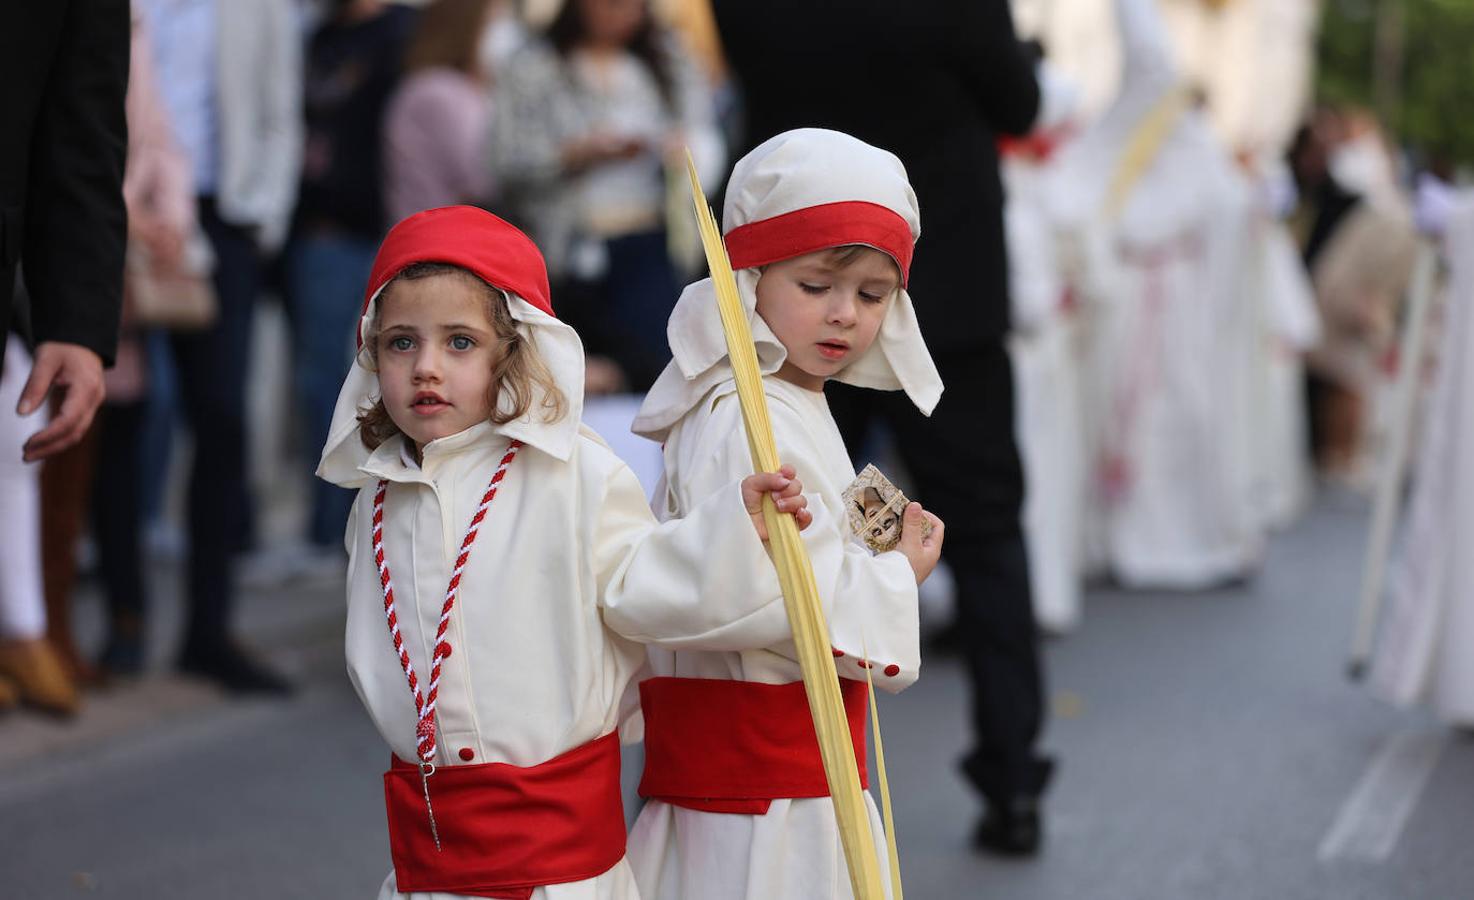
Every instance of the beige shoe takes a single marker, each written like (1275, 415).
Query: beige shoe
(39, 676)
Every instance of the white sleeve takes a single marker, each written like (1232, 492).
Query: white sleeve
(869, 600)
(704, 580)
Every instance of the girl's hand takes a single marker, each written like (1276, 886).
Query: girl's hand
(921, 552)
(787, 493)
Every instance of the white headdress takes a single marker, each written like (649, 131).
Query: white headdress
(500, 255)
(799, 192)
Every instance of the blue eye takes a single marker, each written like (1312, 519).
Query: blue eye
(401, 344)
(461, 342)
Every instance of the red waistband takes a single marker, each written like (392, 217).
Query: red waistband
(735, 746)
(505, 830)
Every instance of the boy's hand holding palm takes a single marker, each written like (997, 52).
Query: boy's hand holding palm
(787, 493)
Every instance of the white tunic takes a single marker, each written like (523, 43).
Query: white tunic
(1044, 347)
(1423, 653)
(793, 852)
(1177, 341)
(1169, 340)
(568, 572)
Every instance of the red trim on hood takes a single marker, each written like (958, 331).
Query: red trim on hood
(819, 228)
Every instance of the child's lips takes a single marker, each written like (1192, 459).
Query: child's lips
(833, 349)
(428, 404)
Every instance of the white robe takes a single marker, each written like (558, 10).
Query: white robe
(1169, 502)
(1288, 326)
(1423, 651)
(569, 571)
(1175, 341)
(1045, 356)
(793, 852)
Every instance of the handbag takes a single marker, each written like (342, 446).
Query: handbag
(178, 297)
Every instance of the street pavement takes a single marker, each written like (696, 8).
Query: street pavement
(1210, 746)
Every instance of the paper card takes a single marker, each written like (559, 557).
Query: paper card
(876, 509)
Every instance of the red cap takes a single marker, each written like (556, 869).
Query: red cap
(470, 238)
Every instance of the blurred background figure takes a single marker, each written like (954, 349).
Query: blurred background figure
(1044, 347)
(64, 67)
(1422, 656)
(438, 119)
(1359, 252)
(164, 284)
(231, 77)
(30, 669)
(1151, 192)
(588, 137)
(936, 92)
(352, 67)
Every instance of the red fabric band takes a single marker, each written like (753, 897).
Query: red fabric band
(468, 237)
(735, 746)
(505, 830)
(819, 228)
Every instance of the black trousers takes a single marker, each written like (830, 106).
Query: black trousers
(965, 464)
(117, 511)
(212, 367)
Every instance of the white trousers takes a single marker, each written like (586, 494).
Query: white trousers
(22, 603)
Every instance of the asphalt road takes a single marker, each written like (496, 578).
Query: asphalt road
(1210, 746)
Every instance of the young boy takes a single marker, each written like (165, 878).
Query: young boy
(820, 228)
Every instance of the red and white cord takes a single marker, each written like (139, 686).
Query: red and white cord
(425, 703)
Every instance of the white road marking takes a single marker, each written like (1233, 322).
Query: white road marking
(1372, 819)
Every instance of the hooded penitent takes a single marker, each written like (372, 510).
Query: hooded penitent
(800, 192)
(500, 255)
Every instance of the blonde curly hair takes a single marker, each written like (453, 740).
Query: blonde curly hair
(519, 374)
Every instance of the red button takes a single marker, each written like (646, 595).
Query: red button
(445, 649)
(864, 663)
(892, 670)
(467, 754)
(837, 652)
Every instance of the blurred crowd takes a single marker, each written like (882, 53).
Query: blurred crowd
(264, 168)
(1205, 301)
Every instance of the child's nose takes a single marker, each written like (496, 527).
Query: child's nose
(427, 364)
(842, 309)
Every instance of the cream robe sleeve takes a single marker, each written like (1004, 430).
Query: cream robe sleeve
(698, 581)
(869, 599)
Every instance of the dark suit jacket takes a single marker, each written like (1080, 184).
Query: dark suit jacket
(932, 81)
(63, 76)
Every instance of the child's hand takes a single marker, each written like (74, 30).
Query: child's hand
(921, 552)
(787, 493)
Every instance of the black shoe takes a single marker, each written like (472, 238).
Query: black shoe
(234, 671)
(1010, 829)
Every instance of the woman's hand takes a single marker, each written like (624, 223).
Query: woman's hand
(599, 147)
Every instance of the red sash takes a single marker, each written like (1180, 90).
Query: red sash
(735, 746)
(505, 830)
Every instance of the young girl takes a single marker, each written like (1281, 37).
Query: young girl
(820, 228)
(502, 563)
